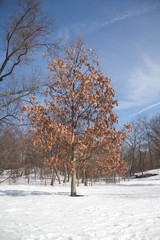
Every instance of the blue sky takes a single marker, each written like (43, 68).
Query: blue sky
(126, 37)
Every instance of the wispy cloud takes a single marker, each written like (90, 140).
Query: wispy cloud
(131, 13)
(149, 107)
(143, 86)
(93, 26)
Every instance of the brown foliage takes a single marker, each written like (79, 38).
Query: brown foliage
(77, 119)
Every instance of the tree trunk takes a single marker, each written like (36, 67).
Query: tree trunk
(91, 181)
(114, 177)
(78, 176)
(65, 173)
(73, 174)
(59, 179)
(73, 184)
(52, 179)
(73, 178)
(28, 178)
(56, 171)
(86, 182)
(83, 175)
(68, 177)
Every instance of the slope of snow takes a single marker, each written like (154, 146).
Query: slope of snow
(130, 210)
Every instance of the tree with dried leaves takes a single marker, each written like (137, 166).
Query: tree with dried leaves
(78, 119)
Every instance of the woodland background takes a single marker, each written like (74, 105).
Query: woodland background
(23, 34)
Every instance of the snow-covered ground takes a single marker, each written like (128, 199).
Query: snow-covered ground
(130, 210)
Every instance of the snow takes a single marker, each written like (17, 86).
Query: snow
(125, 211)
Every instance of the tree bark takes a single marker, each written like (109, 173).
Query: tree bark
(65, 173)
(73, 184)
(57, 174)
(83, 175)
(78, 177)
(73, 179)
(52, 179)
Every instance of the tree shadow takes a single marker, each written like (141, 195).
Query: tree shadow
(22, 193)
(138, 185)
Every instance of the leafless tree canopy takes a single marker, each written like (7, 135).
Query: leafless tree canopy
(24, 32)
(142, 150)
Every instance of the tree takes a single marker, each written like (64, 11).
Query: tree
(10, 152)
(140, 151)
(24, 33)
(153, 134)
(78, 117)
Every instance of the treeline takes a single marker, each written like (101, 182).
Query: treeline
(18, 160)
(141, 152)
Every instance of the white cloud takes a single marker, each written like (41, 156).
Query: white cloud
(149, 107)
(131, 13)
(142, 87)
(91, 27)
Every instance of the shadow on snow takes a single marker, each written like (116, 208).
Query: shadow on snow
(21, 193)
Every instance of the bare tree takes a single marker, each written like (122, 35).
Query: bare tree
(23, 34)
(10, 152)
(154, 136)
(142, 150)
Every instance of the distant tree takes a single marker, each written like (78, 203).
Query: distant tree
(154, 137)
(135, 148)
(141, 150)
(77, 119)
(23, 33)
(16, 156)
(11, 147)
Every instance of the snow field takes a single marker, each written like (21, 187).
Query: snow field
(126, 211)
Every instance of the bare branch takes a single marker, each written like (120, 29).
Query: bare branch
(26, 32)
